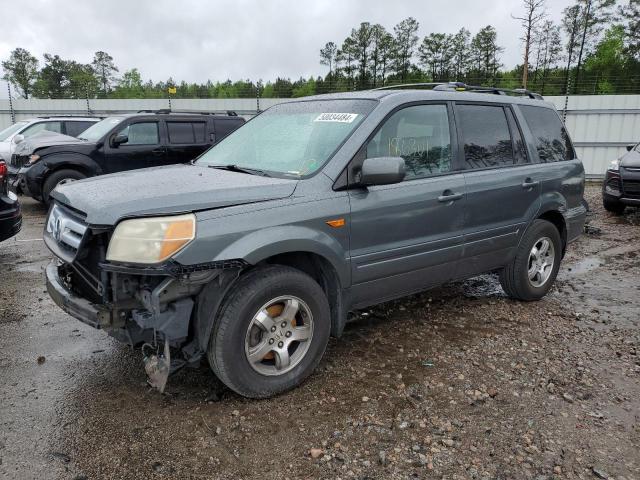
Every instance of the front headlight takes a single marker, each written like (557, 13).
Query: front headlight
(33, 159)
(614, 165)
(151, 240)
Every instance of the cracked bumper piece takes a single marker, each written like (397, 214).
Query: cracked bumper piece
(74, 305)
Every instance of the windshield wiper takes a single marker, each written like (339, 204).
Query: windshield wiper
(236, 168)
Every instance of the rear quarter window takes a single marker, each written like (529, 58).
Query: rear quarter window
(76, 128)
(550, 136)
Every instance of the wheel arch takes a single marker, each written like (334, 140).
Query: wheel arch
(80, 163)
(320, 257)
(555, 217)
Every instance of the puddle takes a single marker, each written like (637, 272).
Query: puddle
(584, 266)
(483, 286)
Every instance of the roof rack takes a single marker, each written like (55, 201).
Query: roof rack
(70, 115)
(167, 111)
(463, 87)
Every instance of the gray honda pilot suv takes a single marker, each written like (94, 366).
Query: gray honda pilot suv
(254, 254)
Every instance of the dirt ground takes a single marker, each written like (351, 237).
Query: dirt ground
(456, 383)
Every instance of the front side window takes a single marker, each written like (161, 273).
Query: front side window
(291, 139)
(552, 140)
(39, 127)
(418, 134)
(144, 133)
(486, 136)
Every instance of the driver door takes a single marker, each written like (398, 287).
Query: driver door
(408, 236)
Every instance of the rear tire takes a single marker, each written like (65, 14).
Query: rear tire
(254, 348)
(613, 206)
(533, 270)
(55, 179)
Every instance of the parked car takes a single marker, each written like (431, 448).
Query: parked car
(25, 148)
(621, 187)
(253, 255)
(122, 142)
(10, 214)
(14, 135)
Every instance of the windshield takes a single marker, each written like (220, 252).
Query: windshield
(290, 139)
(7, 132)
(98, 130)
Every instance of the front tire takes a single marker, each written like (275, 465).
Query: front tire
(270, 333)
(55, 179)
(533, 270)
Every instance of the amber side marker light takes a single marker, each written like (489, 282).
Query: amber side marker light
(337, 223)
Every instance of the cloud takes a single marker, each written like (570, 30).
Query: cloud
(198, 40)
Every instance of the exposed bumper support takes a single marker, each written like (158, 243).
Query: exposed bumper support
(75, 306)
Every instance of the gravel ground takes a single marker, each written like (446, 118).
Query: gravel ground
(456, 383)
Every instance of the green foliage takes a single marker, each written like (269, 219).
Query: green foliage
(21, 70)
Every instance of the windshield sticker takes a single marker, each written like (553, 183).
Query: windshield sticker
(337, 117)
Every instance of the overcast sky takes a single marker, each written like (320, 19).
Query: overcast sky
(199, 40)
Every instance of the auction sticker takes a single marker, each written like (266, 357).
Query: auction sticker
(337, 117)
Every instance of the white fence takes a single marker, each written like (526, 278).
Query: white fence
(600, 125)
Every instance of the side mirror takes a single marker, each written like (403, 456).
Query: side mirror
(18, 139)
(119, 139)
(630, 147)
(382, 171)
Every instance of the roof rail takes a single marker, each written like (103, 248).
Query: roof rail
(167, 111)
(70, 115)
(463, 87)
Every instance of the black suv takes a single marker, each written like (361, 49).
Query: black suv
(122, 142)
(621, 187)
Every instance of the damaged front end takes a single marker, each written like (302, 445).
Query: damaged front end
(150, 307)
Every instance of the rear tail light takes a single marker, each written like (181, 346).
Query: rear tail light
(3, 170)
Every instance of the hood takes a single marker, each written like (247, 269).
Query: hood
(631, 159)
(167, 190)
(43, 139)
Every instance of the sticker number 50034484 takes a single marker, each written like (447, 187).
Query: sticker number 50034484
(337, 117)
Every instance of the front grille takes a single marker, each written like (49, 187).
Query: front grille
(18, 161)
(631, 188)
(66, 229)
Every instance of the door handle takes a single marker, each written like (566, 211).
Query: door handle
(449, 196)
(528, 183)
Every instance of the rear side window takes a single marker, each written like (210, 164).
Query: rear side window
(76, 128)
(551, 138)
(186, 132)
(418, 134)
(486, 136)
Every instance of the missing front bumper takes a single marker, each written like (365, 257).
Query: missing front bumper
(76, 306)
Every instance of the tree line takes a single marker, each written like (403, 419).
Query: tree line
(595, 48)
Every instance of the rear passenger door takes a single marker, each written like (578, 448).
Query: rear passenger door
(501, 185)
(186, 139)
(408, 236)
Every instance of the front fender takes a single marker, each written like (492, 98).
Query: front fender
(76, 161)
(262, 244)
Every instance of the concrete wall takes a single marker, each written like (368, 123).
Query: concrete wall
(600, 125)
